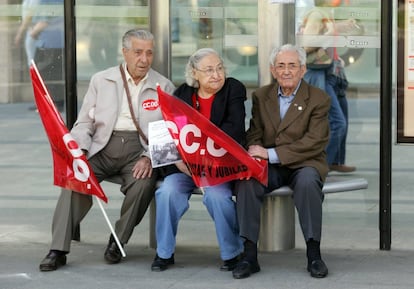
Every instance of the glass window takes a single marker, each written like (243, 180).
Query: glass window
(230, 27)
(33, 30)
(100, 26)
(350, 29)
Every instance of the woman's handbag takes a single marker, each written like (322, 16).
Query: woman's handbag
(318, 59)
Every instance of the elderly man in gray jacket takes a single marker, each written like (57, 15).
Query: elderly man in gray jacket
(111, 130)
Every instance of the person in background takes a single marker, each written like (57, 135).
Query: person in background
(318, 22)
(103, 50)
(23, 33)
(48, 30)
(220, 99)
(107, 133)
(289, 128)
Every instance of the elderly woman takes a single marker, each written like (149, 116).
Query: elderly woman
(220, 99)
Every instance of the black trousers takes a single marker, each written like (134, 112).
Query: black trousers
(307, 194)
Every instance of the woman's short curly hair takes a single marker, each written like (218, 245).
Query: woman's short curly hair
(193, 62)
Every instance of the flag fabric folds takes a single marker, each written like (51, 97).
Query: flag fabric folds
(71, 168)
(212, 156)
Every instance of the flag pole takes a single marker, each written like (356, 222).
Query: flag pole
(111, 228)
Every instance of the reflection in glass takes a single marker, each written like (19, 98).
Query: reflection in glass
(100, 25)
(229, 27)
(48, 29)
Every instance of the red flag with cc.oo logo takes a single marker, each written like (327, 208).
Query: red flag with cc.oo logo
(212, 156)
(71, 168)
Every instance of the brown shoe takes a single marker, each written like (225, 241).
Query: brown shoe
(342, 168)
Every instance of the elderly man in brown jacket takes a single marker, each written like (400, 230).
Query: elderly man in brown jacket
(290, 129)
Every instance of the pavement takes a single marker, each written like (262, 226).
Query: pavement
(350, 245)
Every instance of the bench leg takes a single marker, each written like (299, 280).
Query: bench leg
(277, 226)
(152, 239)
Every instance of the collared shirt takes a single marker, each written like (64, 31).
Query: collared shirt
(124, 121)
(284, 104)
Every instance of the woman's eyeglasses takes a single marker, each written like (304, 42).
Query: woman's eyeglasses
(210, 70)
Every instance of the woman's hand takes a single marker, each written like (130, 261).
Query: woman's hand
(183, 168)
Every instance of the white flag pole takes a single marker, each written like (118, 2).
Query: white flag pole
(111, 228)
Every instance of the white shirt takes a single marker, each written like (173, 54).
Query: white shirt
(124, 121)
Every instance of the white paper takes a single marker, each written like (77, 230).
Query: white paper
(161, 146)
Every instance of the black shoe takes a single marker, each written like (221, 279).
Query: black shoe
(53, 260)
(230, 264)
(159, 264)
(318, 269)
(245, 268)
(112, 253)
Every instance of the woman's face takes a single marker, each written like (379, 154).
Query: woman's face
(210, 74)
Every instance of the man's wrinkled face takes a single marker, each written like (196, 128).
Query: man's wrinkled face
(139, 57)
(287, 70)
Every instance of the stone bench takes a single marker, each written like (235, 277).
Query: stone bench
(277, 228)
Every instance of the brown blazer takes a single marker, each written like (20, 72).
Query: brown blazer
(301, 137)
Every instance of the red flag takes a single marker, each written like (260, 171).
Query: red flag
(212, 156)
(71, 168)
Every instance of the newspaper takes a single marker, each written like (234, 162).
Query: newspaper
(161, 146)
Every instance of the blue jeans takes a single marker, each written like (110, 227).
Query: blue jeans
(171, 200)
(335, 149)
(340, 158)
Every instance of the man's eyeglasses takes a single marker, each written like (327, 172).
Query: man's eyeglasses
(210, 70)
(289, 66)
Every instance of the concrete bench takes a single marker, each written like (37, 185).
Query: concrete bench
(277, 228)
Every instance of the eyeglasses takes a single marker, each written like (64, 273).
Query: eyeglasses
(210, 70)
(290, 67)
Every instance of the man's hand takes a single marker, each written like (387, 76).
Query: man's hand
(142, 169)
(257, 151)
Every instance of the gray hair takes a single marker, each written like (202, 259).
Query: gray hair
(288, 47)
(193, 62)
(135, 33)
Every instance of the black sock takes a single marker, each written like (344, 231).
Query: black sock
(250, 251)
(313, 251)
(58, 252)
(112, 240)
